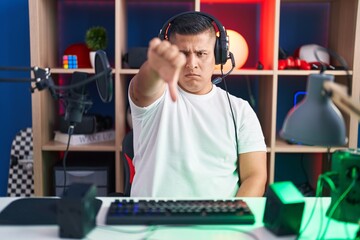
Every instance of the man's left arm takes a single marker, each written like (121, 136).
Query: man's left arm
(253, 174)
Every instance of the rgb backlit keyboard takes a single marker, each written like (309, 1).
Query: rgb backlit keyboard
(168, 212)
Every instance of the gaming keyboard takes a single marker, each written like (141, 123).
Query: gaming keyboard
(184, 212)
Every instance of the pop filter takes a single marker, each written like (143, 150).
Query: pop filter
(104, 83)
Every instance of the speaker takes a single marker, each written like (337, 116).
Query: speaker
(135, 57)
(283, 209)
(222, 41)
(76, 211)
(346, 165)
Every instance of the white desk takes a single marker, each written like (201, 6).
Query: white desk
(336, 230)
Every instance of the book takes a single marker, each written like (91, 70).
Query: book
(81, 139)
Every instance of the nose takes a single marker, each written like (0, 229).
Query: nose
(191, 62)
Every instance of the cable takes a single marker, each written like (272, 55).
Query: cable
(338, 58)
(318, 195)
(337, 203)
(233, 118)
(252, 235)
(251, 95)
(115, 229)
(307, 189)
(150, 230)
(70, 133)
(326, 178)
(306, 175)
(223, 78)
(309, 219)
(319, 190)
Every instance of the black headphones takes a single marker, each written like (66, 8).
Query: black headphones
(222, 41)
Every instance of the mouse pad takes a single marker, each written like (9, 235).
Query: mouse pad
(33, 211)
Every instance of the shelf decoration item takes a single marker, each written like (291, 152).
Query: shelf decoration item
(81, 51)
(70, 61)
(81, 139)
(239, 48)
(95, 39)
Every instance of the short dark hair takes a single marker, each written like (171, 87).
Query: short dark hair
(191, 23)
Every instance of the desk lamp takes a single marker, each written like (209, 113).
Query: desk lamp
(317, 121)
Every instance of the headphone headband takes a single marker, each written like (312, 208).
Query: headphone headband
(222, 42)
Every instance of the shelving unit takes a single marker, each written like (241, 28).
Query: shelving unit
(47, 34)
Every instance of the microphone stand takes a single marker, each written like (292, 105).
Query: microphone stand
(44, 80)
(41, 80)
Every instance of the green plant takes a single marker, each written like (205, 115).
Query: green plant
(96, 38)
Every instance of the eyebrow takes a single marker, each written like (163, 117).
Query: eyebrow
(196, 51)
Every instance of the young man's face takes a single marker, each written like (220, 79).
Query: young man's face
(200, 61)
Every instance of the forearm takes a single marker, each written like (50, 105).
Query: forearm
(253, 174)
(252, 187)
(146, 86)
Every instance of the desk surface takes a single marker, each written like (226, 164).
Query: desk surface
(336, 230)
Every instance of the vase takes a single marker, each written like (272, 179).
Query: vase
(92, 58)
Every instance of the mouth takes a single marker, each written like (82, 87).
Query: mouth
(192, 75)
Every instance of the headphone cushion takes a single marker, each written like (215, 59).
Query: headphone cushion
(220, 51)
(217, 51)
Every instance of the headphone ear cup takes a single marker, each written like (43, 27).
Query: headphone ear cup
(217, 51)
(221, 51)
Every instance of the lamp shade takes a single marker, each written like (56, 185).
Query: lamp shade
(315, 120)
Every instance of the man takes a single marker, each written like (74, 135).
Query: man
(185, 141)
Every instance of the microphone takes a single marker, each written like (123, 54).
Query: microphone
(218, 80)
(76, 102)
(104, 82)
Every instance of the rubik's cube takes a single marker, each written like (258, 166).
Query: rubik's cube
(70, 61)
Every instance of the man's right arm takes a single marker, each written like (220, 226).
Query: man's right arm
(146, 86)
(163, 67)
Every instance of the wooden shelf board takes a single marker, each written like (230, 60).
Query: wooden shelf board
(217, 72)
(291, 72)
(70, 71)
(98, 147)
(129, 71)
(284, 147)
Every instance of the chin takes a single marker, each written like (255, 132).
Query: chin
(189, 89)
(194, 88)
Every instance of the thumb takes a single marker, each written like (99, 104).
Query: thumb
(173, 87)
(180, 62)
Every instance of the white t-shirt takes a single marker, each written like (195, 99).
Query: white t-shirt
(187, 148)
